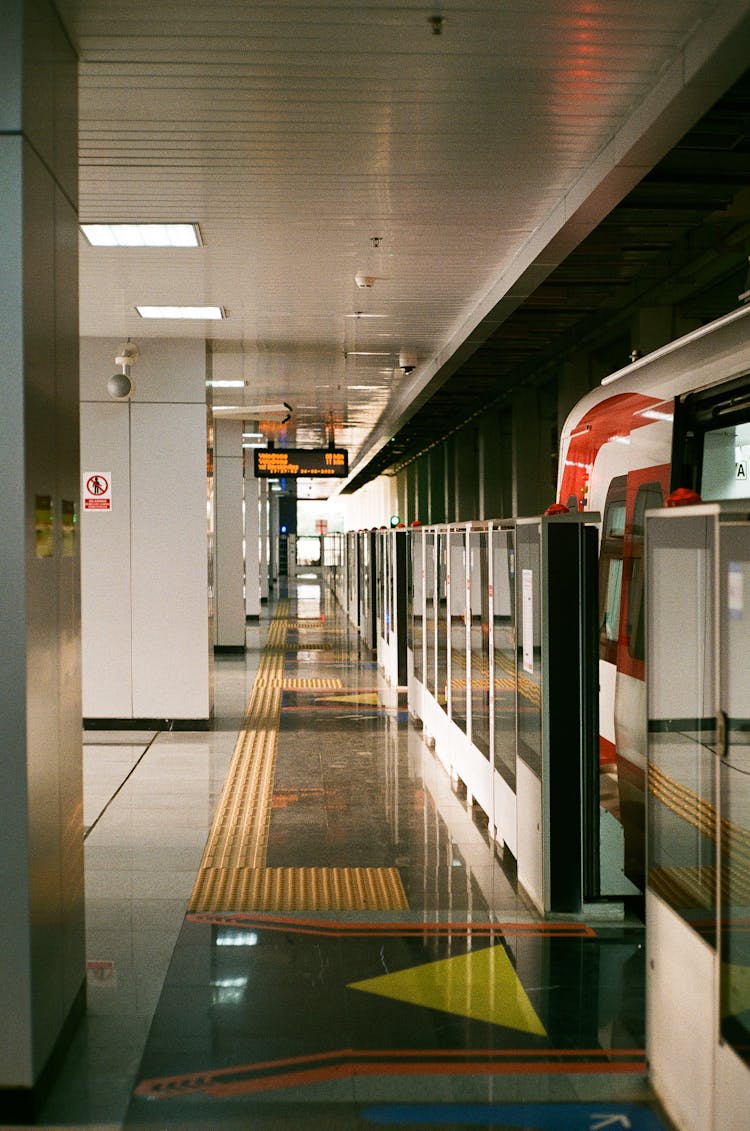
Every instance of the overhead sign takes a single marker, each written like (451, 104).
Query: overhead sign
(97, 491)
(298, 463)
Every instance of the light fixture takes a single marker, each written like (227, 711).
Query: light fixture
(226, 384)
(197, 313)
(362, 314)
(255, 444)
(364, 281)
(253, 435)
(367, 353)
(142, 235)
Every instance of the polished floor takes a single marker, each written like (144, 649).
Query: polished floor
(357, 954)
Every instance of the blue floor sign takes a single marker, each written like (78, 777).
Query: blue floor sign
(511, 1117)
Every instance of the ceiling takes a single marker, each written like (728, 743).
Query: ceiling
(456, 153)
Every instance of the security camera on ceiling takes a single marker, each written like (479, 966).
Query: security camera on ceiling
(407, 361)
(121, 386)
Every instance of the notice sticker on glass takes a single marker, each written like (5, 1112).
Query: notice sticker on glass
(735, 591)
(527, 619)
(68, 521)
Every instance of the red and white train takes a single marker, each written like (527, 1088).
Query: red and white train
(677, 418)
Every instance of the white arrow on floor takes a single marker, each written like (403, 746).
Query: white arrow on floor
(609, 1121)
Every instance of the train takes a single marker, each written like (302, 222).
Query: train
(673, 425)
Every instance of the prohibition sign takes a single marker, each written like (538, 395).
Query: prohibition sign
(97, 490)
(97, 485)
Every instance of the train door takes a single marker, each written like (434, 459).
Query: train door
(645, 489)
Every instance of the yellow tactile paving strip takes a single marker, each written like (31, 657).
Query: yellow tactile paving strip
(699, 882)
(239, 833)
(304, 684)
(303, 889)
(484, 684)
(232, 874)
(696, 886)
(528, 690)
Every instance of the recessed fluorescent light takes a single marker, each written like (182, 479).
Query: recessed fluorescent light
(142, 235)
(199, 313)
(226, 384)
(361, 314)
(367, 353)
(255, 444)
(253, 435)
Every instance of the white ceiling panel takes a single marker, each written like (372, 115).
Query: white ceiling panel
(297, 133)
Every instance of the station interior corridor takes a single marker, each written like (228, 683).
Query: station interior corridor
(295, 920)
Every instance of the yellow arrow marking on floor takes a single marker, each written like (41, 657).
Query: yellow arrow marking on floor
(482, 985)
(735, 985)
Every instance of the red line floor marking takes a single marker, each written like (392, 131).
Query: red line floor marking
(360, 929)
(359, 1062)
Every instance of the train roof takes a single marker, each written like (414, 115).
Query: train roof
(710, 355)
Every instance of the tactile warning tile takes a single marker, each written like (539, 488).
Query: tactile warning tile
(301, 889)
(484, 684)
(703, 816)
(239, 833)
(314, 684)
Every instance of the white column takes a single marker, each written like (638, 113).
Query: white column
(42, 970)
(264, 564)
(144, 563)
(229, 566)
(252, 544)
(273, 538)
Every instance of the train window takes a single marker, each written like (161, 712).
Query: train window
(649, 496)
(610, 569)
(711, 445)
(725, 473)
(610, 620)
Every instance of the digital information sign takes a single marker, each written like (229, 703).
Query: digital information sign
(299, 463)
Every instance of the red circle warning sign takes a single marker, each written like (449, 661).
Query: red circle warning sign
(97, 485)
(97, 491)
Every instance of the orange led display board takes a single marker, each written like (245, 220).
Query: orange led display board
(299, 463)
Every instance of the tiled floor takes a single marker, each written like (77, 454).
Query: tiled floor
(445, 1014)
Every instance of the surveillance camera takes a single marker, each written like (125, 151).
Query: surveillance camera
(407, 361)
(120, 387)
(364, 280)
